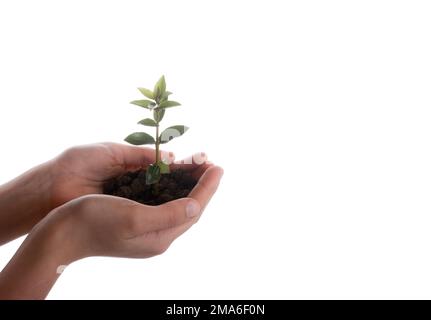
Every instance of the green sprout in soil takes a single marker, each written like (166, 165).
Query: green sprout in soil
(157, 102)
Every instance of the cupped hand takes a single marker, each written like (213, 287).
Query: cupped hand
(82, 170)
(95, 224)
(102, 225)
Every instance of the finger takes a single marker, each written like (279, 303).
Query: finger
(173, 233)
(199, 171)
(137, 157)
(190, 163)
(196, 164)
(167, 156)
(207, 185)
(202, 193)
(165, 216)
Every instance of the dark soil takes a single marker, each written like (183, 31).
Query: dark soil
(131, 185)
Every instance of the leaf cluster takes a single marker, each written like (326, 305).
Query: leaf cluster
(157, 101)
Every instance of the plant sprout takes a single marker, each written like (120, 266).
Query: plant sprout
(157, 102)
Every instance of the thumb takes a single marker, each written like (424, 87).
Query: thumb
(172, 214)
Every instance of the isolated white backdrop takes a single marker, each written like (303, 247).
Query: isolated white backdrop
(319, 112)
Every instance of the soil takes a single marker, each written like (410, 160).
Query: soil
(131, 185)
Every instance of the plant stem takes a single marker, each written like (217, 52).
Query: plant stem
(156, 185)
(157, 145)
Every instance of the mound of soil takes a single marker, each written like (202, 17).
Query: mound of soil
(131, 185)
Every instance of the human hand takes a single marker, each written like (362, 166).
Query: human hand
(82, 170)
(76, 172)
(101, 225)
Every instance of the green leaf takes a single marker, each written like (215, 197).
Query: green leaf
(156, 93)
(172, 132)
(158, 114)
(164, 168)
(148, 122)
(152, 175)
(168, 104)
(144, 103)
(147, 92)
(159, 88)
(139, 138)
(165, 96)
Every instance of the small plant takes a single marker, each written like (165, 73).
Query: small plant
(157, 102)
(153, 185)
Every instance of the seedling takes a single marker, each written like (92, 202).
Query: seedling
(157, 102)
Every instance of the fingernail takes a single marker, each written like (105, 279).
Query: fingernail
(192, 209)
(199, 158)
(168, 157)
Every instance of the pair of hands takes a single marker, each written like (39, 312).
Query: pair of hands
(113, 226)
(61, 205)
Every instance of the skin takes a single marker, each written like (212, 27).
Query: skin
(60, 205)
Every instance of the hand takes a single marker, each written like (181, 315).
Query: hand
(78, 171)
(102, 225)
(82, 170)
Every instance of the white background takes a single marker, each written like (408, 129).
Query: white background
(319, 112)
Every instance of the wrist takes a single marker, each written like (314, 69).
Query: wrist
(62, 234)
(24, 201)
(40, 260)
